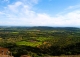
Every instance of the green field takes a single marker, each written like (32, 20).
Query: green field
(41, 41)
(32, 44)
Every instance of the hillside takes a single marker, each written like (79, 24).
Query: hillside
(40, 40)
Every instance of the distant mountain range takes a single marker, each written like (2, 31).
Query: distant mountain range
(38, 28)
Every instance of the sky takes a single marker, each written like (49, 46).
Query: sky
(56, 13)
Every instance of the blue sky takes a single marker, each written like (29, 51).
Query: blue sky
(56, 13)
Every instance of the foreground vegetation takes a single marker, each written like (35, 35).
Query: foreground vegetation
(41, 41)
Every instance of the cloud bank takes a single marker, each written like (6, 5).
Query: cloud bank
(21, 13)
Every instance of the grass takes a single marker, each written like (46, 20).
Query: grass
(41, 39)
(14, 32)
(32, 44)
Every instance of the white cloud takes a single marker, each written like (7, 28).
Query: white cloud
(1, 13)
(15, 7)
(35, 1)
(6, 0)
(30, 2)
(70, 19)
(73, 7)
(20, 13)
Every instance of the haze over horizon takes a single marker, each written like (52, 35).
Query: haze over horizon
(55, 13)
